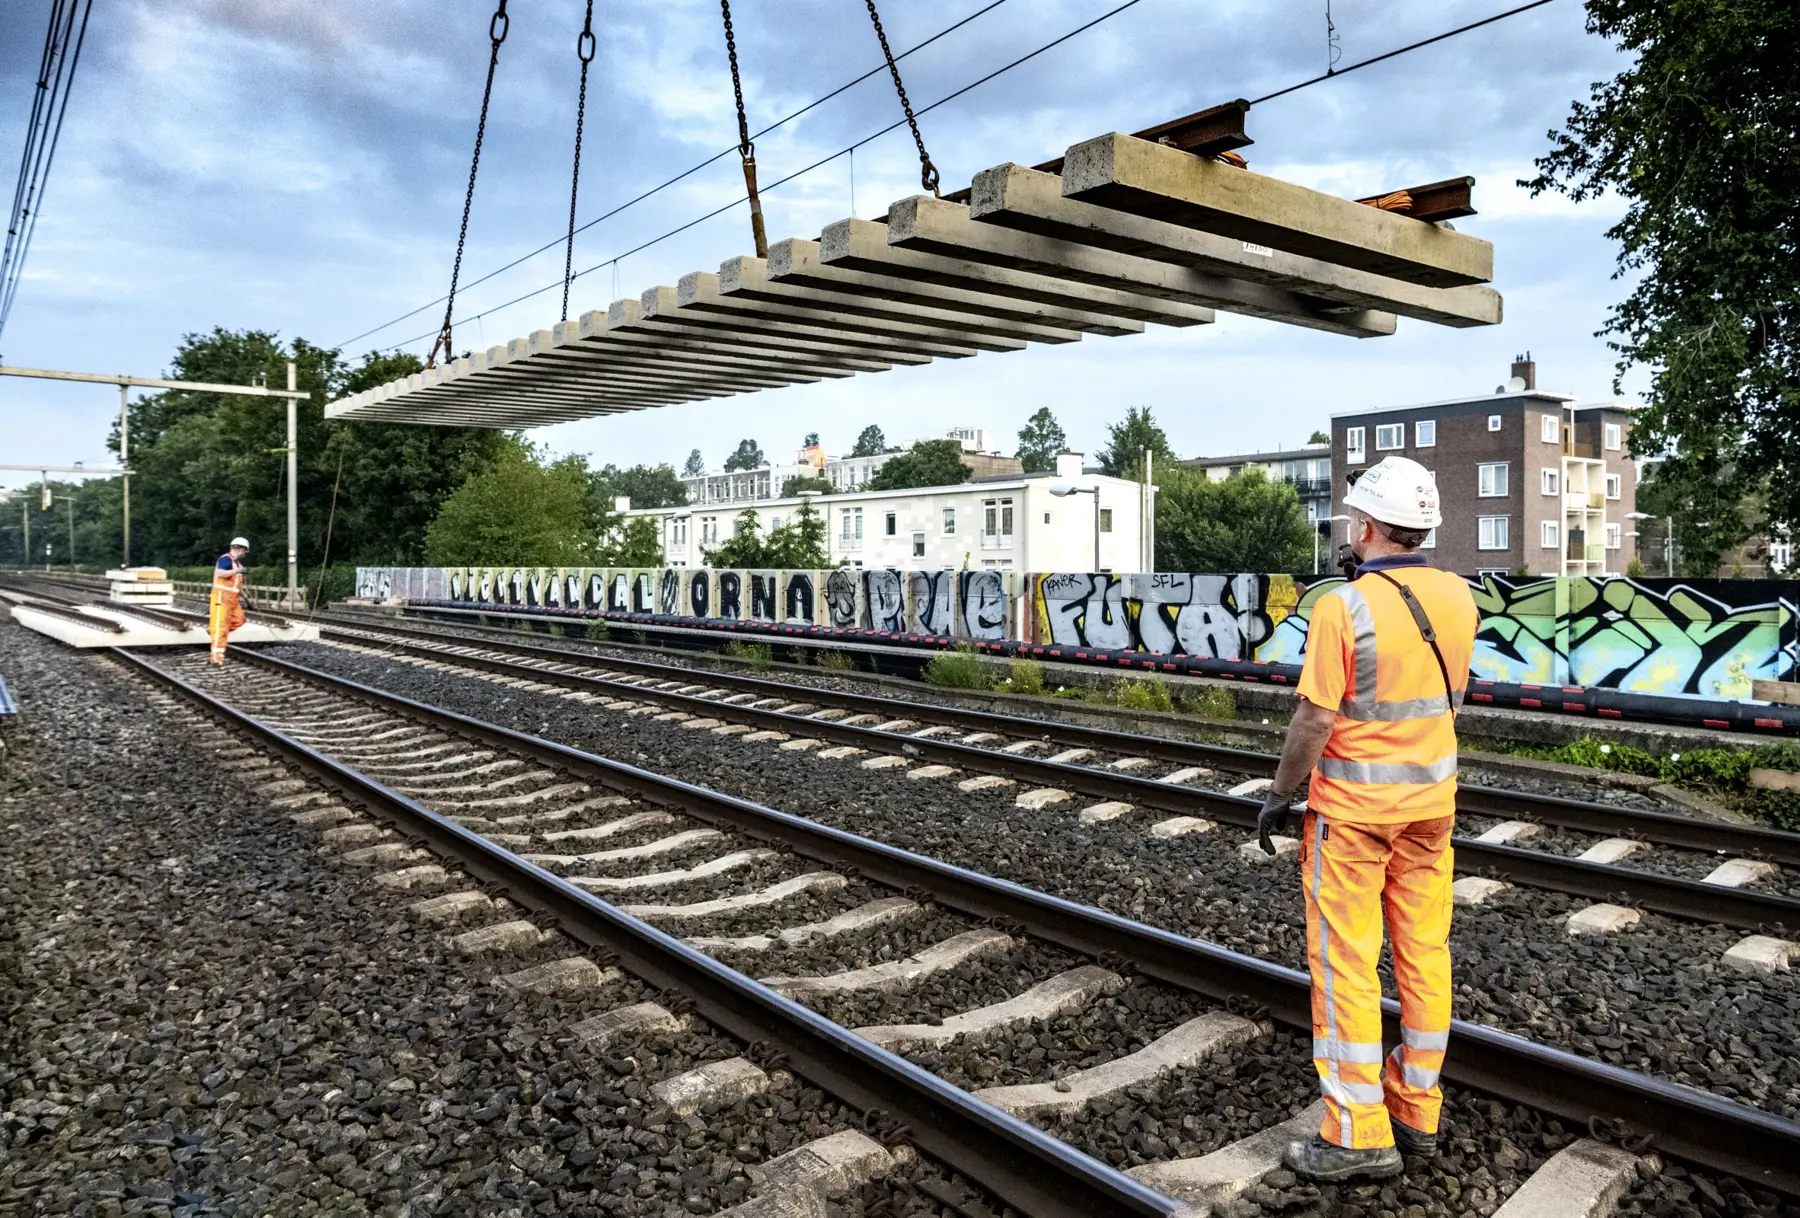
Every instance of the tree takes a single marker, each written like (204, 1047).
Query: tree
(811, 441)
(744, 548)
(927, 463)
(801, 484)
(647, 486)
(1698, 135)
(1040, 440)
(637, 543)
(870, 442)
(1318, 437)
(516, 512)
(1123, 456)
(749, 455)
(695, 467)
(799, 544)
(1243, 523)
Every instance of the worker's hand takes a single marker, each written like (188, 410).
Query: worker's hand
(1272, 818)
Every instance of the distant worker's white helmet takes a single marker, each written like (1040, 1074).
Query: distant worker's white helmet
(239, 541)
(1396, 491)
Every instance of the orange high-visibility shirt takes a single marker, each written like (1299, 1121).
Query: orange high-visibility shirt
(1392, 753)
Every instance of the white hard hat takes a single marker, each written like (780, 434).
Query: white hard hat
(239, 541)
(1397, 491)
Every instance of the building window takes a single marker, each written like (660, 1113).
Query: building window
(1550, 480)
(1425, 433)
(892, 525)
(850, 528)
(1490, 479)
(1106, 520)
(1483, 572)
(1614, 486)
(1493, 422)
(1614, 434)
(949, 521)
(1430, 542)
(774, 523)
(918, 545)
(1613, 536)
(1353, 445)
(1550, 534)
(709, 530)
(996, 524)
(1780, 554)
(1551, 429)
(1493, 533)
(678, 532)
(1389, 436)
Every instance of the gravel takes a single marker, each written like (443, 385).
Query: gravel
(203, 1016)
(1666, 1006)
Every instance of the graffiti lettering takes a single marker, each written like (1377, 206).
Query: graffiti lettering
(840, 598)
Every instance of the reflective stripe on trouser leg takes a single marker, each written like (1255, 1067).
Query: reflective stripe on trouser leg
(1418, 901)
(216, 625)
(1342, 869)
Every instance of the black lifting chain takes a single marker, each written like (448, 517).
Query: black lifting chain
(584, 51)
(497, 27)
(746, 149)
(928, 174)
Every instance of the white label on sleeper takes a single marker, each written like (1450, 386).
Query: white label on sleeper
(1250, 247)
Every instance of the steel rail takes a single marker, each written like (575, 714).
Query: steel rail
(1681, 1121)
(1027, 1168)
(1671, 895)
(1661, 828)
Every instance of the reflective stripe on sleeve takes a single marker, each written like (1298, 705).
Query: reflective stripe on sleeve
(1424, 1042)
(1388, 771)
(1326, 1047)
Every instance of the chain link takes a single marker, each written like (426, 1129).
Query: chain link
(497, 30)
(746, 149)
(584, 51)
(928, 174)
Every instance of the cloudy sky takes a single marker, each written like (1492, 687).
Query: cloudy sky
(299, 167)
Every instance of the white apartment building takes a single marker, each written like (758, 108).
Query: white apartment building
(843, 473)
(1005, 523)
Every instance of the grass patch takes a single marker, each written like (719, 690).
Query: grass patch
(1208, 702)
(959, 669)
(836, 661)
(1026, 676)
(760, 656)
(1146, 694)
(596, 631)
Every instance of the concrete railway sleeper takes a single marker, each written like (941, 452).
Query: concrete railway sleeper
(1677, 1120)
(893, 728)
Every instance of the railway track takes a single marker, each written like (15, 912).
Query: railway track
(559, 829)
(1682, 866)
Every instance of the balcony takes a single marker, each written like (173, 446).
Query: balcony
(1586, 452)
(1584, 501)
(1310, 488)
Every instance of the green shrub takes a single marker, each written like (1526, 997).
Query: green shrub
(836, 661)
(1027, 676)
(1209, 702)
(959, 669)
(760, 656)
(596, 631)
(1149, 694)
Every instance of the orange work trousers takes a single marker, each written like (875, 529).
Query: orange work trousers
(1353, 872)
(226, 614)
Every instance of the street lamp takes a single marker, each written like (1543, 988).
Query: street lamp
(1063, 491)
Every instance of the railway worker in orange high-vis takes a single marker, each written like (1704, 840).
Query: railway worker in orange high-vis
(227, 606)
(1387, 662)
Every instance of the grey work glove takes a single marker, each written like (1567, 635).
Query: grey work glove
(1272, 818)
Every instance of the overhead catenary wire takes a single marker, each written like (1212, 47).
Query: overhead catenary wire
(785, 119)
(43, 133)
(952, 96)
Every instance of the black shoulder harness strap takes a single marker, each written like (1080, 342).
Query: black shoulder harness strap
(1427, 632)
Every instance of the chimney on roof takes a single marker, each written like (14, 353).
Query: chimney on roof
(1525, 369)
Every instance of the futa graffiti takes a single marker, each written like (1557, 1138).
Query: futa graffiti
(1701, 638)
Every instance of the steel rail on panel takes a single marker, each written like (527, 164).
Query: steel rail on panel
(1685, 898)
(1029, 1169)
(1682, 1121)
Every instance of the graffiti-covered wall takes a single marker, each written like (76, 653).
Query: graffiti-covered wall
(964, 604)
(1701, 638)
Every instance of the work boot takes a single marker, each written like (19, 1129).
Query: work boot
(1319, 1160)
(1411, 1141)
